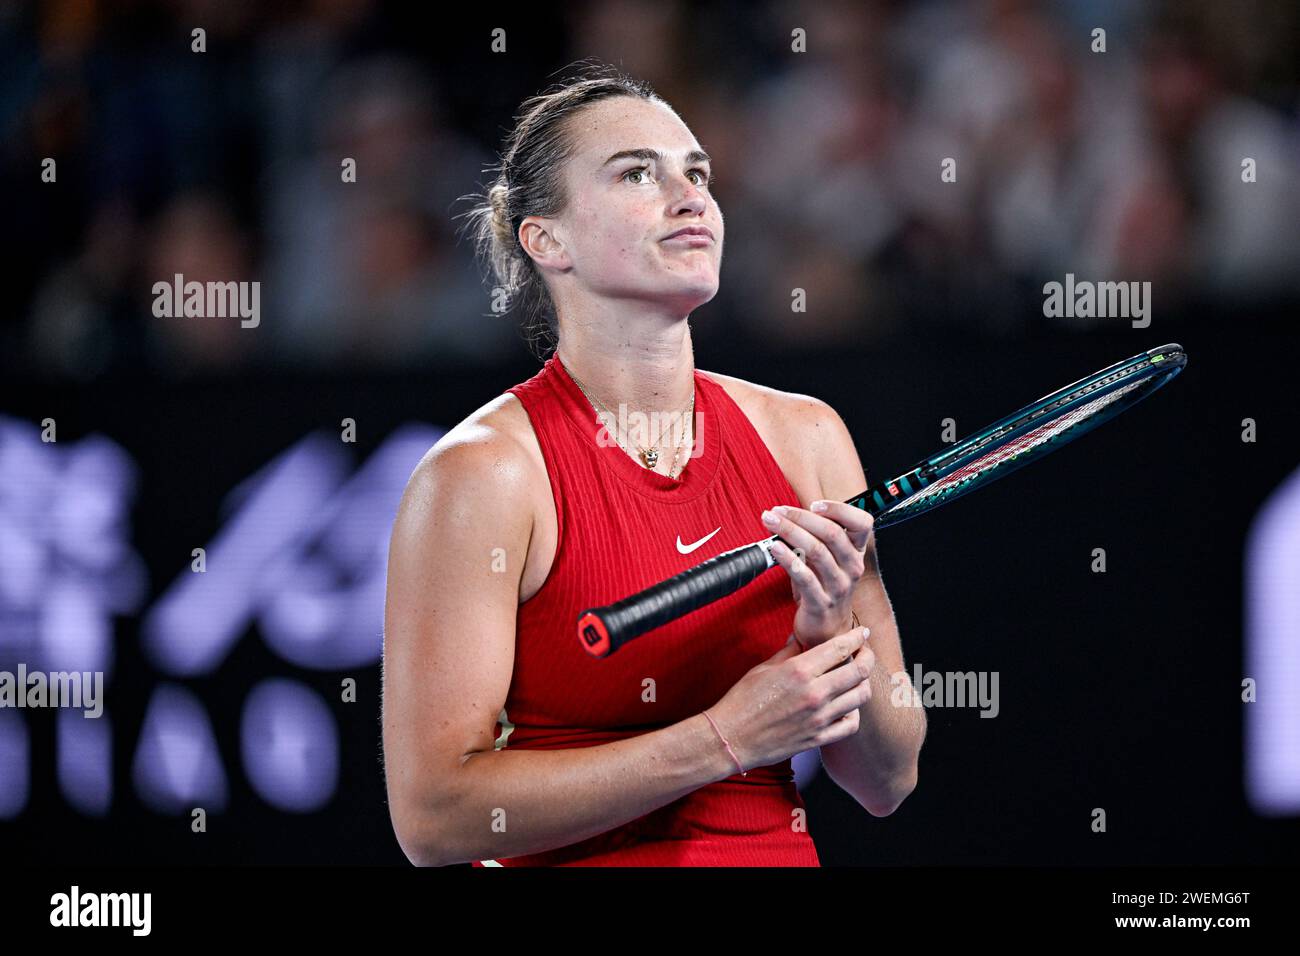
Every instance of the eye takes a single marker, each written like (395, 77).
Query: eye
(706, 180)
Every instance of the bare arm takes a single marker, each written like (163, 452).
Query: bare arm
(449, 636)
(877, 766)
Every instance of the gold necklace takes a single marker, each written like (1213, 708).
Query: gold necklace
(649, 456)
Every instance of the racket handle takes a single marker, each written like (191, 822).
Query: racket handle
(603, 630)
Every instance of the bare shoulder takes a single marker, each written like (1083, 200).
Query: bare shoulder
(791, 424)
(764, 398)
(479, 468)
(497, 434)
(488, 471)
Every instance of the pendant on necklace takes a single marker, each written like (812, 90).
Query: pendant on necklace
(651, 457)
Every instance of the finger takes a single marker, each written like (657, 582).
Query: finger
(846, 549)
(801, 577)
(842, 678)
(840, 648)
(866, 658)
(857, 523)
(844, 704)
(816, 552)
(836, 730)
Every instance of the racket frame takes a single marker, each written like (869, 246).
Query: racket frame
(881, 499)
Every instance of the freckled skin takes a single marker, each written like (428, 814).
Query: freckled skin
(607, 243)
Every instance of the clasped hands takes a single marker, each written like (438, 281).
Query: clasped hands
(828, 560)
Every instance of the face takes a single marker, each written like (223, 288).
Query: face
(612, 239)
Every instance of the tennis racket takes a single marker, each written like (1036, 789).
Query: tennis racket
(1009, 443)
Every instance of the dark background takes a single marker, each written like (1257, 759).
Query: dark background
(1118, 690)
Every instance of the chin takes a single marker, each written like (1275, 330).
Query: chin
(704, 298)
(699, 286)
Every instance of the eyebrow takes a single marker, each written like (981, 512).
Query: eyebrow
(644, 152)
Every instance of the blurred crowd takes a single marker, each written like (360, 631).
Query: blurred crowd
(1121, 165)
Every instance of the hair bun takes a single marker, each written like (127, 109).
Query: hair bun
(498, 197)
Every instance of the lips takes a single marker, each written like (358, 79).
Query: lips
(692, 232)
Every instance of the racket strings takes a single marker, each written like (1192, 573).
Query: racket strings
(1029, 441)
(992, 438)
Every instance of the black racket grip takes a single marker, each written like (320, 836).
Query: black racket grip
(603, 630)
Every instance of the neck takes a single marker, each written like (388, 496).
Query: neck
(649, 367)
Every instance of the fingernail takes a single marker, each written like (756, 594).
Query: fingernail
(770, 519)
(866, 633)
(820, 506)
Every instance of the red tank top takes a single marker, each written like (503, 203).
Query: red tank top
(620, 527)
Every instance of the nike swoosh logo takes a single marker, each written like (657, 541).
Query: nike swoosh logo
(688, 548)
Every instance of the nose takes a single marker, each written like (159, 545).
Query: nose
(689, 198)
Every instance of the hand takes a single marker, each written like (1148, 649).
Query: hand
(797, 700)
(833, 544)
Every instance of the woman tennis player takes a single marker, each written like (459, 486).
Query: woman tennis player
(507, 744)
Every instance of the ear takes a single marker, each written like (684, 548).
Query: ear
(537, 237)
